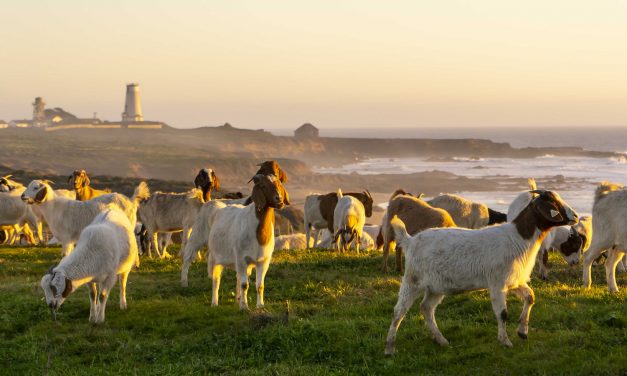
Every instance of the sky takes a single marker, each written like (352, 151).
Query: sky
(333, 63)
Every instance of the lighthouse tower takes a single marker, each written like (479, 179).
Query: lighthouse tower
(132, 105)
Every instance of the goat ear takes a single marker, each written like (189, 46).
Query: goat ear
(549, 211)
(216, 181)
(68, 288)
(286, 196)
(86, 180)
(282, 175)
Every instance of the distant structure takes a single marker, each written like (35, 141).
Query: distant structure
(306, 131)
(132, 105)
(3, 124)
(52, 119)
(39, 115)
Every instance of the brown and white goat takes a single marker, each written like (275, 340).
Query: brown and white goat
(79, 181)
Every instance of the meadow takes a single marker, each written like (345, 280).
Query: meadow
(340, 309)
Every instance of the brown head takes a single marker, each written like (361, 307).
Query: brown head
(545, 211)
(268, 192)
(272, 168)
(208, 181)
(78, 179)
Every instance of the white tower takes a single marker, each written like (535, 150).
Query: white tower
(132, 106)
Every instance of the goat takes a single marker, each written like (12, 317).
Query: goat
(319, 211)
(169, 212)
(348, 220)
(105, 251)
(207, 181)
(79, 181)
(499, 258)
(239, 236)
(609, 221)
(67, 218)
(565, 239)
(466, 213)
(417, 215)
(326, 241)
(19, 216)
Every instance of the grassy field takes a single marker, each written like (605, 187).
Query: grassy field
(340, 310)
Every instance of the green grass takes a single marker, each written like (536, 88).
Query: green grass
(341, 307)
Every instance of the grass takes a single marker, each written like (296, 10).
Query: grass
(340, 310)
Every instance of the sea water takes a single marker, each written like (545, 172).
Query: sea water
(580, 174)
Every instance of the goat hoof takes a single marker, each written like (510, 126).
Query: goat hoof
(522, 335)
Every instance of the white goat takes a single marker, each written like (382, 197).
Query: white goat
(105, 251)
(349, 218)
(16, 214)
(564, 239)
(169, 212)
(448, 261)
(67, 218)
(609, 224)
(239, 236)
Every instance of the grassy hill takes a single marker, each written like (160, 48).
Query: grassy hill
(340, 310)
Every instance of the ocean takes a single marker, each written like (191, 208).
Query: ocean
(580, 174)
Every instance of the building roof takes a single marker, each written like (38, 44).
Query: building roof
(306, 126)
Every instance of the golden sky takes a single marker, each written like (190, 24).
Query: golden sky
(278, 64)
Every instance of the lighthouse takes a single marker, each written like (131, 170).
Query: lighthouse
(132, 105)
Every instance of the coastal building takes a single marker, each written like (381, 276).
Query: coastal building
(51, 119)
(3, 124)
(306, 131)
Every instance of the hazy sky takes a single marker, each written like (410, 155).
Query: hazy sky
(278, 64)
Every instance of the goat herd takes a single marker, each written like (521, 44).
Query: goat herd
(451, 244)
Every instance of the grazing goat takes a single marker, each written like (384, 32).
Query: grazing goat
(326, 241)
(239, 236)
(79, 181)
(466, 213)
(67, 218)
(207, 181)
(105, 251)
(169, 212)
(499, 258)
(319, 211)
(609, 224)
(565, 239)
(417, 215)
(348, 222)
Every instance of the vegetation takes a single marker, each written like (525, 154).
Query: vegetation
(340, 308)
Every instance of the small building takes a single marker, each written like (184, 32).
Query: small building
(3, 124)
(306, 131)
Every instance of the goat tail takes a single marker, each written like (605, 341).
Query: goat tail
(141, 193)
(400, 233)
(604, 188)
(339, 194)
